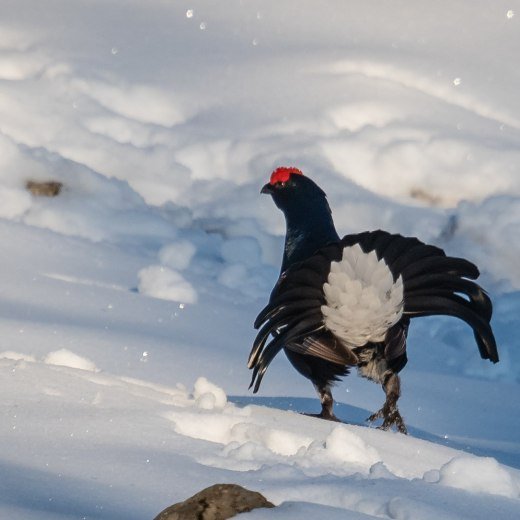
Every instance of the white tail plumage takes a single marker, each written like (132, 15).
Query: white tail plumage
(363, 301)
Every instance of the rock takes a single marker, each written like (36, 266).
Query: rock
(217, 502)
(44, 189)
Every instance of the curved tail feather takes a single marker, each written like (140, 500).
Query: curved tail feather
(439, 285)
(454, 305)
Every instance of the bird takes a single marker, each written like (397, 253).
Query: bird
(345, 303)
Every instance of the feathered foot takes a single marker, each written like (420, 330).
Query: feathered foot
(390, 413)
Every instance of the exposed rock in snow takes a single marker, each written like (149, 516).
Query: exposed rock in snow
(218, 502)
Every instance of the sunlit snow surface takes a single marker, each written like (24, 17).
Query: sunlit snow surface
(127, 303)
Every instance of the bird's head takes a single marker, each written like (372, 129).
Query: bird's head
(293, 191)
(308, 218)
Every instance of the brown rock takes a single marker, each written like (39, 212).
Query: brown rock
(44, 189)
(217, 502)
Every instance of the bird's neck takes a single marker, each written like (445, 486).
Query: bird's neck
(305, 234)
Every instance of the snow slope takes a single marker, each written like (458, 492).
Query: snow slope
(126, 303)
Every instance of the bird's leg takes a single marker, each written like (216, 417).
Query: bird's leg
(327, 403)
(390, 413)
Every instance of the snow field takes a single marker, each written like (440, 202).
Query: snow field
(314, 461)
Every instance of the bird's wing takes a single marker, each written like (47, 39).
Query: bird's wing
(326, 346)
(293, 315)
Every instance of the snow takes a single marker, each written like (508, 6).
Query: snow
(127, 302)
(9, 354)
(482, 475)
(178, 254)
(66, 358)
(207, 395)
(161, 282)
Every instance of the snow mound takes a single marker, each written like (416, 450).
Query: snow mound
(244, 269)
(344, 445)
(208, 395)
(480, 475)
(167, 284)
(251, 438)
(66, 358)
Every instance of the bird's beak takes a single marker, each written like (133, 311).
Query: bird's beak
(267, 189)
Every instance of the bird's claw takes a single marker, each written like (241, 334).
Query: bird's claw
(390, 418)
(327, 417)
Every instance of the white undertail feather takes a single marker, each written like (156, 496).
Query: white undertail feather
(363, 301)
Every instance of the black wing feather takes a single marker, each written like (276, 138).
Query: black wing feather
(272, 327)
(415, 254)
(442, 264)
(273, 311)
(293, 332)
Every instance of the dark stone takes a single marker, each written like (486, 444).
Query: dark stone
(217, 502)
(44, 189)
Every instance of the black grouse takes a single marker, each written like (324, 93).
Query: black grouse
(347, 302)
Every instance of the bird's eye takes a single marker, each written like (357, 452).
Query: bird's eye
(279, 185)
